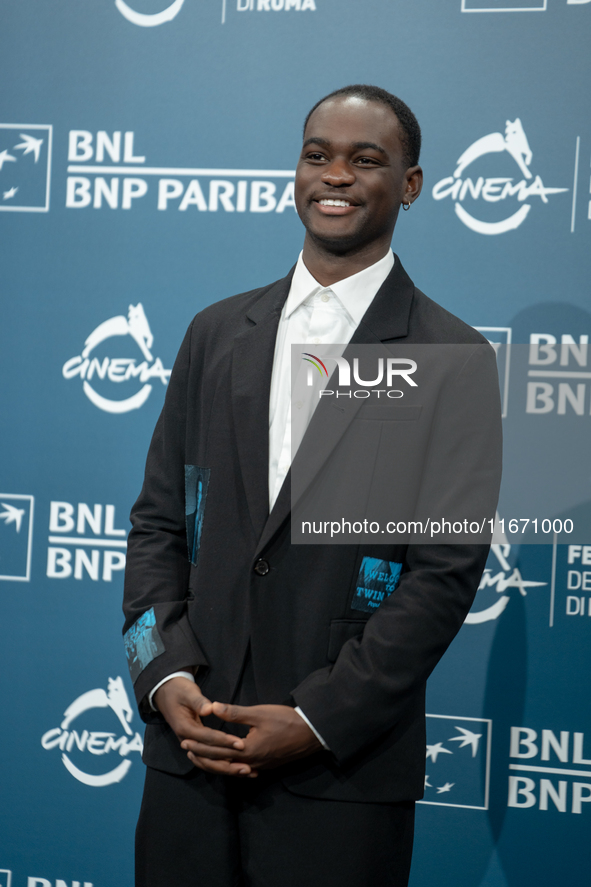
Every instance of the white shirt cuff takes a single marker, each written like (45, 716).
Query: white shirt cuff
(312, 728)
(176, 674)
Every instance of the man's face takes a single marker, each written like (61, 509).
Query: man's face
(352, 155)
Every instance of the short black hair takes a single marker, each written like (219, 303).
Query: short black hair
(411, 131)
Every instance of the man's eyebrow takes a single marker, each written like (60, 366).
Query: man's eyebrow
(359, 146)
(362, 145)
(317, 141)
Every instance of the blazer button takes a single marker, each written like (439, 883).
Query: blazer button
(261, 567)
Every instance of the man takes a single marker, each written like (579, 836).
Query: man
(285, 741)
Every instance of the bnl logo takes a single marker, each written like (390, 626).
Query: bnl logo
(16, 538)
(25, 167)
(6, 881)
(458, 762)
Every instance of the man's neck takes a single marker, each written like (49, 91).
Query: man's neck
(328, 268)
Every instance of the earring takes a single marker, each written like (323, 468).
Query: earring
(406, 206)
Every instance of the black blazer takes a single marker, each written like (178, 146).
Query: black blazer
(196, 593)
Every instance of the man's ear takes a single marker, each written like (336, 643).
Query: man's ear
(414, 184)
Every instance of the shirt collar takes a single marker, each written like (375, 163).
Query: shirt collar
(355, 292)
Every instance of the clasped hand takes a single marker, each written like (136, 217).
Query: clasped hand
(277, 733)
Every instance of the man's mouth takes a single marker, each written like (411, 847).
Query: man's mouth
(335, 206)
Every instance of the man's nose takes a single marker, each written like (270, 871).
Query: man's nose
(337, 173)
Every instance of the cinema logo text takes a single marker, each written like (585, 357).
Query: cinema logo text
(501, 577)
(105, 172)
(118, 370)
(493, 190)
(76, 744)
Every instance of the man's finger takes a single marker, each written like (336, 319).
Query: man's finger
(224, 768)
(188, 729)
(200, 705)
(204, 707)
(236, 714)
(202, 750)
(180, 691)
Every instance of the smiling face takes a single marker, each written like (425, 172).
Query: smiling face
(352, 176)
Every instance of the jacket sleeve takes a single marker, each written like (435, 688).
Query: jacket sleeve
(157, 635)
(363, 695)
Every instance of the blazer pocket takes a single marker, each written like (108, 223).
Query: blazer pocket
(390, 412)
(341, 631)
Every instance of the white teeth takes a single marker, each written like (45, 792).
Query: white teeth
(334, 203)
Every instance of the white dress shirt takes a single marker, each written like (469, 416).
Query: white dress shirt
(312, 315)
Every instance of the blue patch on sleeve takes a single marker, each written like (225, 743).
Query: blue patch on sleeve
(142, 643)
(196, 484)
(376, 581)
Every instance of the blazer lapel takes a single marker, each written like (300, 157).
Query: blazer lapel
(252, 366)
(386, 318)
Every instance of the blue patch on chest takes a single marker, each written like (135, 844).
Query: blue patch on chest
(376, 581)
(142, 643)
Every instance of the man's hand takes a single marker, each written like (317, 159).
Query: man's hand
(277, 735)
(182, 704)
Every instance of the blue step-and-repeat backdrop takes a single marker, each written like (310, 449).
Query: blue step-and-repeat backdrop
(146, 170)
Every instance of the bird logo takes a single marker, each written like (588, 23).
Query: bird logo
(458, 765)
(12, 515)
(434, 750)
(5, 157)
(25, 167)
(467, 738)
(29, 145)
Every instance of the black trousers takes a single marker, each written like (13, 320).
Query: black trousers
(226, 832)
